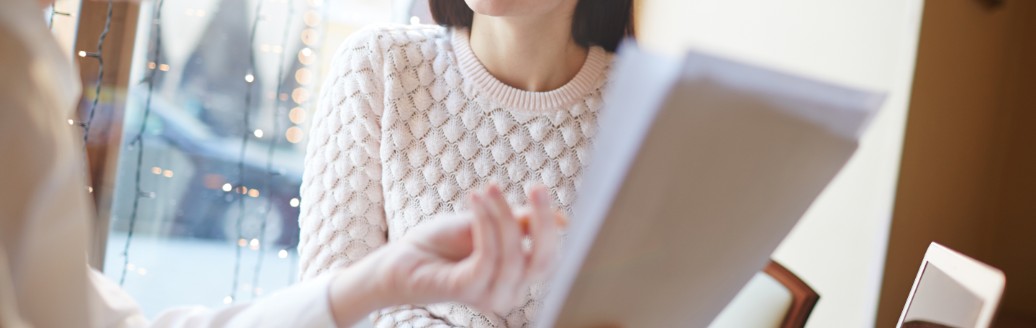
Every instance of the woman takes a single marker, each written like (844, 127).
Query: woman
(413, 118)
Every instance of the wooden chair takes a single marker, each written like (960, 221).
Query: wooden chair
(775, 298)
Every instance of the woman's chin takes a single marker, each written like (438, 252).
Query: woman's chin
(501, 8)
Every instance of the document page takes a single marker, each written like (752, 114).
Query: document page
(701, 167)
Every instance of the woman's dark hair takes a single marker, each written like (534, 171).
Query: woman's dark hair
(602, 23)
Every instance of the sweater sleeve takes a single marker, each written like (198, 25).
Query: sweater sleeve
(342, 216)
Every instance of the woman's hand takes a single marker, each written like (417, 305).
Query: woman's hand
(475, 258)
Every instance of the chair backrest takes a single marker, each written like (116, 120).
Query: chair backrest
(775, 298)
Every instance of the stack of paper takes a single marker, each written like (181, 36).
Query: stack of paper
(701, 167)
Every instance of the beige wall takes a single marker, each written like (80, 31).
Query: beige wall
(839, 246)
(968, 176)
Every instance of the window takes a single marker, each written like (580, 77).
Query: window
(205, 202)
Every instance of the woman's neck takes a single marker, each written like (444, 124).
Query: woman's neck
(528, 53)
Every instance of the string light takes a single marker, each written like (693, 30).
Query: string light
(282, 253)
(55, 12)
(99, 55)
(257, 270)
(294, 202)
(139, 140)
(258, 133)
(249, 78)
(294, 133)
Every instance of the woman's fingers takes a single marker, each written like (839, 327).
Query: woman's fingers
(543, 230)
(486, 254)
(498, 263)
(512, 263)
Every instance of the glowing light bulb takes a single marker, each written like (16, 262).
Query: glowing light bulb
(303, 76)
(309, 36)
(227, 187)
(242, 242)
(71, 122)
(300, 95)
(414, 20)
(254, 244)
(82, 53)
(167, 173)
(297, 115)
(228, 300)
(282, 254)
(249, 78)
(311, 18)
(294, 202)
(293, 134)
(258, 133)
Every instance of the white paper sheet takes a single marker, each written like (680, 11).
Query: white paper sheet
(700, 169)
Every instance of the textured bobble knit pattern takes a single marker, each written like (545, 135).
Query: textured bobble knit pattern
(408, 122)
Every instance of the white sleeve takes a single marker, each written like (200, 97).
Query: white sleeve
(303, 305)
(342, 215)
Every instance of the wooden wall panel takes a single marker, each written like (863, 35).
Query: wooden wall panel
(967, 176)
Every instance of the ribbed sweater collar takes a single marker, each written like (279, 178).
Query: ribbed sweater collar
(586, 80)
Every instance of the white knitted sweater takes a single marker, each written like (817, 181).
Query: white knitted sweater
(408, 122)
